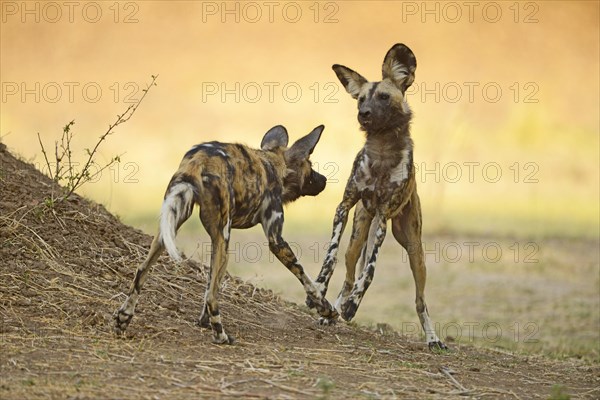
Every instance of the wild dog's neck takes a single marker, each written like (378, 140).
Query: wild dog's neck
(386, 148)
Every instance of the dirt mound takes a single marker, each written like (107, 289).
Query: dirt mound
(64, 271)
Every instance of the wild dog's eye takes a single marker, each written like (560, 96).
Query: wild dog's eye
(384, 96)
(361, 99)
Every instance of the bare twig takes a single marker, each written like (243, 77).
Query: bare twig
(446, 372)
(120, 119)
(45, 156)
(65, 171)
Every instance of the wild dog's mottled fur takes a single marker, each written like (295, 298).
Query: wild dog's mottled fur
(382, 186)
(235, 187)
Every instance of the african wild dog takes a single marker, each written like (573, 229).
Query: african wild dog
(382, 186)
(235, 187)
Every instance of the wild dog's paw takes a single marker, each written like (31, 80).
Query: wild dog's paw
(223, 338)
(316, 298)
(122, 320)
(328, 321)
(328, 311)
(349, 308)
(323, 307)
(437, 346)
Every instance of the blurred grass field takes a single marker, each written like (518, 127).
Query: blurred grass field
(516, 166)
(525, 294)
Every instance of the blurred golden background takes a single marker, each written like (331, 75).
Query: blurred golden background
(506, 105)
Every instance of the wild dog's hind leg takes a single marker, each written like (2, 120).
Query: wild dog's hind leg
(356, 250)
(125, 313)
(204, 320)
(176, 209)
(406, 228)
(218, 265)
(214, 214)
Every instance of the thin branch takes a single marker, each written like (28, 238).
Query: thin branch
(45, 156)
(120, 119)
(58, 160)
(67, 149)
(108, 165)
(457, 384)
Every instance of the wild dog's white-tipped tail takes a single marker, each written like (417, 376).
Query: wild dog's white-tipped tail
(176, 209)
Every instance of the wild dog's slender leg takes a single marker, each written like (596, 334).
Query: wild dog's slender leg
(272, 225)
(215, 204)
(177, 208)
(125, 313)
(351, 197)
(218, 265)
(356, 248)
(377, 233)
(406, 228)
(204, 320)
(280, 248)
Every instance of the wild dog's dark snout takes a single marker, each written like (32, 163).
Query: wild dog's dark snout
(314, 184)
(364, 116)
(364, 113)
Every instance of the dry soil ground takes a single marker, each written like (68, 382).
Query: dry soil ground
(63, 272)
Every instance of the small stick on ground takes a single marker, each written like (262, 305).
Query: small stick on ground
(446, 371)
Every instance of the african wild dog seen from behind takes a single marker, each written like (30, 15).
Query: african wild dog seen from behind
(235, 187)
(382, 186)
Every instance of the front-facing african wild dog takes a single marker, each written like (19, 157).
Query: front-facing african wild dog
(235, 187)
(382, 186)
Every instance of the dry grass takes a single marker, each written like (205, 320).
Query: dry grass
(63, 272)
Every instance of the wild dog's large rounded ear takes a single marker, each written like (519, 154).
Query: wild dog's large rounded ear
(304, 146)
(277, 136)
(351, 80)
(399, 66)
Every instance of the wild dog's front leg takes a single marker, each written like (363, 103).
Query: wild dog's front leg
(376, 236)
(125, 313)
(272, 222)
(339, 224)
(284, 253)
(406, 228)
